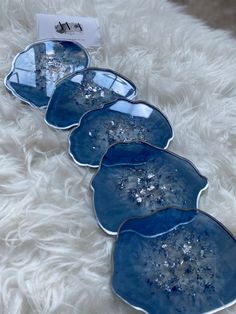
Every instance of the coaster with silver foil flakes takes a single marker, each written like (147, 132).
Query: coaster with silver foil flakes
(168, 257)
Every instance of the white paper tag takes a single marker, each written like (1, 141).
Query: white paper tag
(85, 30)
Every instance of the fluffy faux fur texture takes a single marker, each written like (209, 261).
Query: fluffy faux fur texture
(53, 256)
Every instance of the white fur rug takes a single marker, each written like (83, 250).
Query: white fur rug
(53, 256)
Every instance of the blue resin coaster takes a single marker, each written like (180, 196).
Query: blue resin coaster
(120, 121)
(175, 261)
(136, 179)
(84, 91)
(36, 70)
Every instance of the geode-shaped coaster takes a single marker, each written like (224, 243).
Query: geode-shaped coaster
(36, 70)
(136, 179)
(119, 121)
(86, 90)
(175, 261)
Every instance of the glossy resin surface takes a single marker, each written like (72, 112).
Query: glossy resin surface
(36, 70)
(84, 91)
(120, 121)
(175, 261)
(136, 179)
